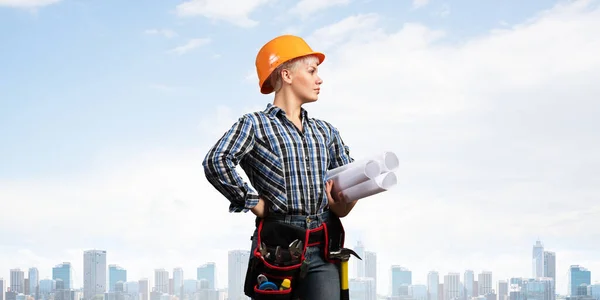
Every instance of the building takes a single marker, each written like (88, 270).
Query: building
(207, 272)
(401, 277)
(370, 259)
(484, 283)
(161, 281)
(469, 281)
(452, 286)
(362, 289)
(144, 289)
(178, 281)
(537, 260)
(64, 273)
(115, 274)
(17, 281)
(94, 274)
(34, 282)
(236, 273)
(433, 282)
(578, 276)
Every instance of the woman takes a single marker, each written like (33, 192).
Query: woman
(286, 155)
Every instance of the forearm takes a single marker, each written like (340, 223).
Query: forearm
(221, 160)
(221, 174)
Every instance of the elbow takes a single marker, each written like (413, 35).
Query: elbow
(208, 164)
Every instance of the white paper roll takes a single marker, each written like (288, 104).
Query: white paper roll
(388, 161)
(355, 175)
(381, 183)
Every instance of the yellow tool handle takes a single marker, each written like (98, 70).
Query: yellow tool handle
(344, 274)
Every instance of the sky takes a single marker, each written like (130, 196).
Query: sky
(107, 109)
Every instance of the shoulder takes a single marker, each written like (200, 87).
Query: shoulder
(324, 125)
(254, 118)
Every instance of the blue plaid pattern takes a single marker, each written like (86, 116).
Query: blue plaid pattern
(286, 167)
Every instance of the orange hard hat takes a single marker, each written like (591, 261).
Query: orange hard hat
(277, 51)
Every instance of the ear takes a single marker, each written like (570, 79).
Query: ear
(286, 76)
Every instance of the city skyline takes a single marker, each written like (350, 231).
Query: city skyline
(357, 271)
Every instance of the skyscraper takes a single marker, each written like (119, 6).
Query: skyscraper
(433, 281)
(237, 265)
(115, 274)
(17, 281)
(469, 278)
(484, 283)
(144, 288)
(452, 286)
(537, 260)
(207, 271)
(400, 277)
(34, 282)
(578, 275)
(177, 281)
(94, 274)
(362, 288)
(370, 259)
(2, 288)
(64, 273)
(161, 281)
(502, 290)
(550, 270)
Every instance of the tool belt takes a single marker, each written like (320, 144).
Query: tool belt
(277, 264)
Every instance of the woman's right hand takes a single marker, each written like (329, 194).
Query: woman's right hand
(260, 210)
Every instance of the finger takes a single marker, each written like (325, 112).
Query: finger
(328, 191)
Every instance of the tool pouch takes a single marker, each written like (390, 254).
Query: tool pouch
(275, 267)
(274, 234)
(334, 237)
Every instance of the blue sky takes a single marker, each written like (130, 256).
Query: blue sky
(108, 107)
(79, 77)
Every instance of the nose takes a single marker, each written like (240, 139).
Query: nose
(319, 80)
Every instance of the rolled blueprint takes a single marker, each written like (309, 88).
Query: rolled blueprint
(388, 161)
(355, 175)
(381, 183)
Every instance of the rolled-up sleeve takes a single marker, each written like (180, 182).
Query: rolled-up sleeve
(220, 163)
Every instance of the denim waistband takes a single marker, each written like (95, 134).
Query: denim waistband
(303, 221)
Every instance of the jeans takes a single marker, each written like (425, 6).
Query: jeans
(322, 281)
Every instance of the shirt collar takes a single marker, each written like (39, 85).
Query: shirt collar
(274, 111)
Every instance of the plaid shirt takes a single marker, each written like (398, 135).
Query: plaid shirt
(285, 166)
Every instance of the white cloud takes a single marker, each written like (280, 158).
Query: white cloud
(164, 32)
(494, 135)
(190, 45)
(27, 3)
(419, 3)
(233, 11)
(443, 11)
(156, 207)
(304, 8)
(360, 27)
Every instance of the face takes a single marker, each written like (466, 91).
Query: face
(305, 81)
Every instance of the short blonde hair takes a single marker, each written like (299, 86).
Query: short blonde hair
(275, 78)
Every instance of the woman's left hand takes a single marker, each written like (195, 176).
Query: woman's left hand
(338, 204)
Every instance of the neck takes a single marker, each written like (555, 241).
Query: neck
(289, 103)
